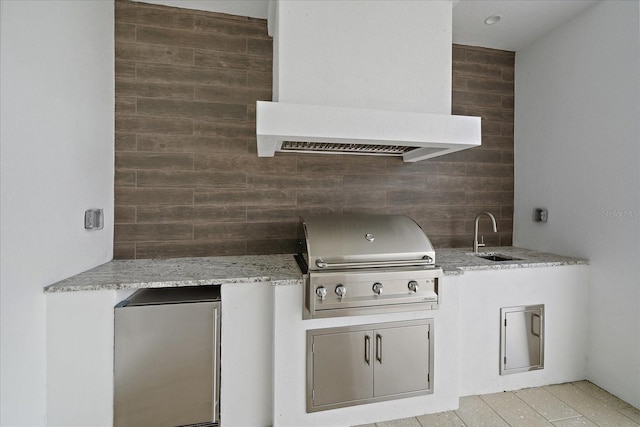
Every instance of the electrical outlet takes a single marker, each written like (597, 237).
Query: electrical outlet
(540, 215)
(93, 219)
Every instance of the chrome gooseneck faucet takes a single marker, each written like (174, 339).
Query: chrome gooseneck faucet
(477, 244)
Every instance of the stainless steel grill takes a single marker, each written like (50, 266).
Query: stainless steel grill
(367, 264)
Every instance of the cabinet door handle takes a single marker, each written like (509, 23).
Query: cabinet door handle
(367, 349)
(533, 332)
(216, 346)
(379, 348)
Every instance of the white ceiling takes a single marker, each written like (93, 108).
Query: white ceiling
(523, 21)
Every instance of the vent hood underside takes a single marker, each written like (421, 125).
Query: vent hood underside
(286, 127)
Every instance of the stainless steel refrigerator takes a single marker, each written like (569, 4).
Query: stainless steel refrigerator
(166, 359)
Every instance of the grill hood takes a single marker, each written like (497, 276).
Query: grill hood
(362, 77)
(364, 240)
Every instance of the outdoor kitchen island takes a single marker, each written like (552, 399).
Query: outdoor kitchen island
(263, 358)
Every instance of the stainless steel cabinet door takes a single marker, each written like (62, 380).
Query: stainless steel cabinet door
(352, 365)
(342, 367)
(402, 360)
(522, 339)
(164, 364)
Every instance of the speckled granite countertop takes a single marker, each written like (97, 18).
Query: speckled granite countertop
(457, 261)
(276, 269)
(164, 273)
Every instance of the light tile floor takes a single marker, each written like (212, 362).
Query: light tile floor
(574, 404)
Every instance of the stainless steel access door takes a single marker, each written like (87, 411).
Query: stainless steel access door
(402, 362)
(166, 364)
(521, 339)
(342, 368)
(352, 365)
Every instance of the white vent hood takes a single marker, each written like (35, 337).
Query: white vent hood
(362, 77)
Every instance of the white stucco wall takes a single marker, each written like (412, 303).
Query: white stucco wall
(246, 359)
(80, 342)
(563, 292)
(323, 59)
(577, 153)
(56, 152)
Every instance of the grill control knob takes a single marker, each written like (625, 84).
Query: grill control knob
(377, 288)
(341, 290)
(413, 286)
(321, 292)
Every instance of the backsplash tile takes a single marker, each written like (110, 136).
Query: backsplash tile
(188, 181)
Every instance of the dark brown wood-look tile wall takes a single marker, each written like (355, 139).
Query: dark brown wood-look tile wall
(188, 181)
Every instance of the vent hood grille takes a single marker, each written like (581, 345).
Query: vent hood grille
(334, 147)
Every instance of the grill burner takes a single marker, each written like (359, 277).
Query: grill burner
(367, 264)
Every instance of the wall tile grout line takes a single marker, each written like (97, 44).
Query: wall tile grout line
(566, 418)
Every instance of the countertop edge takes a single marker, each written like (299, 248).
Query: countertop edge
(113, 275)
(58, 288)
(516, 265)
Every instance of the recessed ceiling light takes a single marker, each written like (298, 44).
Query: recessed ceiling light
(493, 19)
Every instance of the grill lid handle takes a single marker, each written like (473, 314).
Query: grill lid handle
(427, 260)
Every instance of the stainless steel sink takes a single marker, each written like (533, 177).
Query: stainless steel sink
(492, 256)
